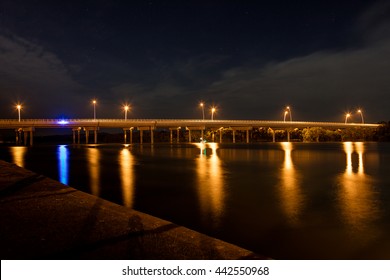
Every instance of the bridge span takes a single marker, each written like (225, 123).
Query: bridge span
(26, 127)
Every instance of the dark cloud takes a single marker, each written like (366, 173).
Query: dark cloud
(255, 79)
(322, 85)
(374, 24)
(319, 86)
(29, 73)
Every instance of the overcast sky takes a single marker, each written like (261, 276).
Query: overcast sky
(248, 58)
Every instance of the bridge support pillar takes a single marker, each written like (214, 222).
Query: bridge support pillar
(74, 136)
(18, 134)
(95, 135)
(288, 136)
(87, 130)
(25, 136)
(78, 136)
(177, 134)
(194, 128)
(213, 136)
(273, 134)
(125, 135)
(247, 136)
(22, 135)
(141, 130)
(234, 136)
(86, 136)
(202, 134)
(31, 137)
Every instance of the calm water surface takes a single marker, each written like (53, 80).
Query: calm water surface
(282, 200)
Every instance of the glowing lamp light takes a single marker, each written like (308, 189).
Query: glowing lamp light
(202, 105)
(361, 114)
(285, 114)
(347, 116)
(126, 108)
(62, 122)
(19, 107)
(213, 109)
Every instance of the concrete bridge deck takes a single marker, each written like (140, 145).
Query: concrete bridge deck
(28, 126)
(166, 123)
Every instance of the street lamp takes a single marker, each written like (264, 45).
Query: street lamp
(213, 109)
(202, 105)
(126, 108)
(285, 114)
(94, 109)
(361, 114)
(346, 117)
(289, 111)
(19, 107)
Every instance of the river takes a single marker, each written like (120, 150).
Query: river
(282, 200)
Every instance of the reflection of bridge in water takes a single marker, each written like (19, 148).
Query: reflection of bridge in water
(25, 128)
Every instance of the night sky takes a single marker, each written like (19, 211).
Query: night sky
(248, 58)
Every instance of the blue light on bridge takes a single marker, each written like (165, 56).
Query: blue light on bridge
(62, 122)
(62, 155)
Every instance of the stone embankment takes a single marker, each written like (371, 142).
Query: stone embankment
(41, 218)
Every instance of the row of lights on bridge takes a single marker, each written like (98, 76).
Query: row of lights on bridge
(213, 109)
(127, 108)
(348, 115)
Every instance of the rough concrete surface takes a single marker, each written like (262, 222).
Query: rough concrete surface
(41, 218)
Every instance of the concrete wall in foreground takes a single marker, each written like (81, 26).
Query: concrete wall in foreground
(43, 219)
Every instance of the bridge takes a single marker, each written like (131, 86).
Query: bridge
(26, 127)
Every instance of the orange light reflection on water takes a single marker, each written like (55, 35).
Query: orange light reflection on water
(209, 172)
(292, 198)
(93, 156)
(126, 161)
(18, 154)
(356, 194)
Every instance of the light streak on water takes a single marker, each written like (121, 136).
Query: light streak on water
(292, 198)
(18, 154)
(358, 201)
(210, 182)
(62, 156)
(127, 161)
(93, 156)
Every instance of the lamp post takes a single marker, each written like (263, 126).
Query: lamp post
(289, 111)
(94, 109)
(346, 117)
(19, 107)
(285, 114)
(361, 114)
(212, 113)
(202, 105)
(126, 108)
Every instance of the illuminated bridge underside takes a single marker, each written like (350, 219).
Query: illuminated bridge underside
(28, 126)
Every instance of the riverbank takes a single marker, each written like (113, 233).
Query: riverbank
(43, 219)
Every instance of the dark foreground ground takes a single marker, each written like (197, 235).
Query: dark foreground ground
(43, 219)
